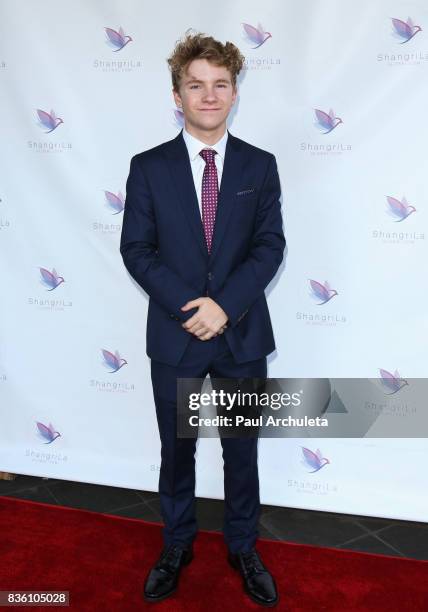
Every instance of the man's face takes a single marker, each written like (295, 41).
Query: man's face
(205, 95)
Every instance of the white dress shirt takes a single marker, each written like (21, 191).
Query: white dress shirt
(197, 163)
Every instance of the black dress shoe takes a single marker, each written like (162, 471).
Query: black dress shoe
(258, 582)
(162, 580)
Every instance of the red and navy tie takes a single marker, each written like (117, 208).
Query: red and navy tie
(209, 194)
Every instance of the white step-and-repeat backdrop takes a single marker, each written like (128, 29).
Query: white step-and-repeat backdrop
(338, 91)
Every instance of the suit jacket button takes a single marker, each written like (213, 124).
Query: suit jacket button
(172, 316)
(210, 275)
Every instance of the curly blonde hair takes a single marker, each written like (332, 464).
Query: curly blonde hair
(201, 46)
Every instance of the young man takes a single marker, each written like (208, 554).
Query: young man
(202, 235)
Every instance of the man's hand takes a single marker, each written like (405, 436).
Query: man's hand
(209, 321)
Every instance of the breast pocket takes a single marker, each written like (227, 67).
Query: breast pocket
(244, 210)
(247, 200)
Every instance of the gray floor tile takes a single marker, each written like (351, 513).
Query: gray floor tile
(370, 544)
(38, 493)
(411, 540)
(97, 498)
(310, 527)
(141, 511)
(22, 482)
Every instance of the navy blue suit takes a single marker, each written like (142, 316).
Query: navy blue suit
(164, 250)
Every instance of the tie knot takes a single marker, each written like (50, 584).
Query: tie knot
(208, 155)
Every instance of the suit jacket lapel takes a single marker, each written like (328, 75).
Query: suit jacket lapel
(230, 183)
(179, 164)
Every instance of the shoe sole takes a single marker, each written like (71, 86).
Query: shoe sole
(261, 603)
(156, 599)
(166, 595)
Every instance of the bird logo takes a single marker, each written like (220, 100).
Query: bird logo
(113, 361)
(392, 382)
(400, 210)
(48, 120)
(326, 122)
(404, 30)
(256, 36)
(115, 202)
(47, 432)
(320, 291)
(117, 40)
(50, 279)
(313, 460)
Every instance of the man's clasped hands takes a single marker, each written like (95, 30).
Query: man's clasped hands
(209, 321)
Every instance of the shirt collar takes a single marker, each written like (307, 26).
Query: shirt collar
(194, 145)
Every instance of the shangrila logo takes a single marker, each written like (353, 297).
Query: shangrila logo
(115, 202)
(320, 291)
(313, 460)
(410, 55)
(255, 36)
(47, 432)
(400, 210)
(326, 122)
(48, 120)
(403, 31)
(50, 279)
(392, 382)
(113, 361)
(117, 40)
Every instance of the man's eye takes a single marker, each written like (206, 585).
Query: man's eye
(193, 86)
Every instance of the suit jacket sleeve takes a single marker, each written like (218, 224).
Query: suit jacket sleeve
(139, 249)
(249, 280)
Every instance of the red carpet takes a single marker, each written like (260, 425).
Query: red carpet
(102, 560)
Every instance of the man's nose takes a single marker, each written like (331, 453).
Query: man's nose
(209, 94)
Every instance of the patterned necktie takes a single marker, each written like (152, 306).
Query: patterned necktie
(209, 194)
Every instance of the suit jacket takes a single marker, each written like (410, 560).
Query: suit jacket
(164, 250)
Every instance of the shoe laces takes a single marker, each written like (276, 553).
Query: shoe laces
(171, 555)
(252, 562)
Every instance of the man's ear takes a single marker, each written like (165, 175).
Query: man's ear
(177, 98)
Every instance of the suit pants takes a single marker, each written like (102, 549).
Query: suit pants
(177, 470)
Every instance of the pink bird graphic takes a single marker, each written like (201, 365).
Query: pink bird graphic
(392, 382)
(404, 30)
(117, 40)
(326, 122)
(47, 432)
(321, 291)
(114, 361)
(258, 36)
(115, 202)
(399, 210)
(313, 460)
(51, 279)
(48, 120)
